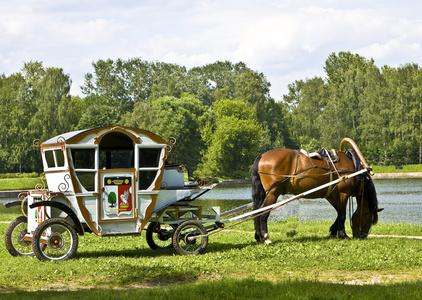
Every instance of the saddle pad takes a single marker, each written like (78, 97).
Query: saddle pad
(321, 153)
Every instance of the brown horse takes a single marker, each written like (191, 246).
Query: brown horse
(285, 171)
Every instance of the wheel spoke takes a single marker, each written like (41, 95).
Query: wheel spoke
(55, 239)
(15, 238)
(190, 238)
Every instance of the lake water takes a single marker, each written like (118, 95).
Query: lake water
(400, 198)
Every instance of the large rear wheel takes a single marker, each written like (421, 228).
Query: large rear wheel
(55, 239)
(190, 237)
(14, 237)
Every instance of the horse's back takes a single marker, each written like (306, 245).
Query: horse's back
(278, 159)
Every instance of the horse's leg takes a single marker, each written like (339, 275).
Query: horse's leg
(334, 229)
(261, 222)
(341, 219)
(338, 229)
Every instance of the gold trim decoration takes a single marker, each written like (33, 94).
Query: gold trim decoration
(36, 143)
(61, 140)
(135, 138)
(201, 182)
(172, 140)
(22, 196)
(164, 185)
(41, 186)
(181, 169)
(22, 205)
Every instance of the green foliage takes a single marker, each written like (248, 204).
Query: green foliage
(235, 140)
(381, 110)
(35, 105)
(378, 108)
(173, 117)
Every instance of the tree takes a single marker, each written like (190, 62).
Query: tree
(306, 100)
(235, 140)
(180, 118)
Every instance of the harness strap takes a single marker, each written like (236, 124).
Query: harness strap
(296, 173)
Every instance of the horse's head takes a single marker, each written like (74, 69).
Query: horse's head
(367, 210)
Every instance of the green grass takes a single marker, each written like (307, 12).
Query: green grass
(300, 263)
(24, 183)
(393, 169)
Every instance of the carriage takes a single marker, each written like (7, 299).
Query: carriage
(114, 181)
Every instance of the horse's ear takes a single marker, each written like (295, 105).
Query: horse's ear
(380, 209)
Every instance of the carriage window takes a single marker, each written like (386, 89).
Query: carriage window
(49, 157)
(87, 180)
(83, 158)
(149, 157)
(54, 158)
(116, 159)
(59, 158)
(146, 178)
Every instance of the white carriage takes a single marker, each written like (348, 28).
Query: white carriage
(108, 181)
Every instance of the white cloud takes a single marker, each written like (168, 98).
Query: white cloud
(282, 39)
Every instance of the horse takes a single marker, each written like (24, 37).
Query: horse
(286, 171)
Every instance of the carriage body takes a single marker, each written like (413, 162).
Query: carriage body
(111, 181)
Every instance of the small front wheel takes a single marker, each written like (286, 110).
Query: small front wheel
(55, 239)
(14, 237)
(159, 236)
(190, 237)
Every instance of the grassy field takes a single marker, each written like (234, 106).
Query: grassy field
(17, 181)
(300, 263)
(393, 169)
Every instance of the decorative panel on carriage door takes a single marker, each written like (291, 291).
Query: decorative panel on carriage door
(117, 195)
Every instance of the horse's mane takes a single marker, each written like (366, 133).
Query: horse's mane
(371, 194)
(369, 187)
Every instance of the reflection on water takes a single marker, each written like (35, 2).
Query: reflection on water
(400, 198)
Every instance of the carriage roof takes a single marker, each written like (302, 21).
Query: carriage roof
(94, 135)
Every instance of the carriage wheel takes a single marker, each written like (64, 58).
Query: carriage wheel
(14, 237)
(159, 236)
(55, 239)
(190, 237)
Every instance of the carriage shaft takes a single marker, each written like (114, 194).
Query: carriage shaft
(278, 204)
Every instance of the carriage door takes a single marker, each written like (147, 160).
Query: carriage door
(117, 177)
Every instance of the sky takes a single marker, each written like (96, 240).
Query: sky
(285, 40)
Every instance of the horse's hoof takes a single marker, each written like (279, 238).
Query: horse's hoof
(331, 236)
(267, 241)
(344, 237)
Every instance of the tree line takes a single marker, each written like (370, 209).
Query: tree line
(221, 114)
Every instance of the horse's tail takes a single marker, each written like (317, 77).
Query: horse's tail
(258, 192)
